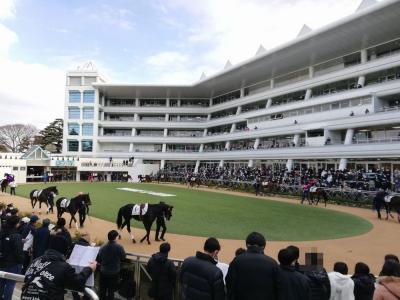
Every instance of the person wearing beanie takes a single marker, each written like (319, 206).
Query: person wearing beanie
(110, 257)
(41, 239)
(253, 275)
(200, 277)
(163, 274)
(11, 256)
(49, 275)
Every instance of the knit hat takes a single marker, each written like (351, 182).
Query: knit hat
(34, 218)
(59, 243)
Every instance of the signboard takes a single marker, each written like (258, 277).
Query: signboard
(65, 163)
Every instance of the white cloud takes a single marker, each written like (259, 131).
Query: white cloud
(7, 9)
(167, 58)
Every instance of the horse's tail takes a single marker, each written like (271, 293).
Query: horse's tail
(119, 218)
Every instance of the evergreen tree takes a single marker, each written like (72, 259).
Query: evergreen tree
(52, 136)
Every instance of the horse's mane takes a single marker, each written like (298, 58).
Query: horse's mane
(50, 188)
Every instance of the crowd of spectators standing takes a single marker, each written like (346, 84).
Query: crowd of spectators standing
(353, 179)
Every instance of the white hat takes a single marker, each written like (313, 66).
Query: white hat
(25, 219)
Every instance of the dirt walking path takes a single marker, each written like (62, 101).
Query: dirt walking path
(369, 248)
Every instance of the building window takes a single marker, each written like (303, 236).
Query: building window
(88, 113)
(74, 80)
(87, 129)
(74, 113)
(22, 168)
(73, 128)
(88, 97)
(15, 168)
(74, 96)
(73, 146)
(87, 146)
(89, 80)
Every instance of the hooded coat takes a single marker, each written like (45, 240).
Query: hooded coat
(364, 286)
(163, 274)
(388, 288)
(342, 287)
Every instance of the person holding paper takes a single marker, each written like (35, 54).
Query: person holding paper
(49, 275)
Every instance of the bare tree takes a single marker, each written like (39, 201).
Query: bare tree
(17, 137)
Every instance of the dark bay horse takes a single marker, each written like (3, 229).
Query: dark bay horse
(79, 204)
(153, 211)
(4, 184)
(317, 193)
(44, 196)
(389, 203)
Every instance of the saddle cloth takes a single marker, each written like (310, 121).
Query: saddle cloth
(37, 193)
(136, 209)
(313, 189)
(388, 198)
(65, 203)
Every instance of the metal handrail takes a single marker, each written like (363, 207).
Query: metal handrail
(21, 278)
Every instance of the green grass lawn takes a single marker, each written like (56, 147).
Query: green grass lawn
(206, 214)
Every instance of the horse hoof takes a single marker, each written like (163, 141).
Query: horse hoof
(119, 236)
(157, 240)
(148, 243)
(133, 241)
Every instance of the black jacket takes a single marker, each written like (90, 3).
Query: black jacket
(163, 274)
(110, 257)
(11, 248)
(318, 279)
(295, 285)
(48, 276)
(364, 286)
(41, 241)
(253, 276)
(201, 279)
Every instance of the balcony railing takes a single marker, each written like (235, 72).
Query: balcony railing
(377, 140)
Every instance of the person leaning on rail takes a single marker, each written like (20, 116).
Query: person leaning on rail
(49, 275)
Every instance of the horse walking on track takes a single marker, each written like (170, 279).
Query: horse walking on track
(146, 213)
(44, 196)
(79, 204)
(318, 192)
(4, 184)
(389, 203)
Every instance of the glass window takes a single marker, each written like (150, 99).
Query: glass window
(335, 105)
(74, 96)
(74, 80)
(73, 146)
(355, 102)
(22, 168)
(88, 113)
(73, 128)
(88, 97)
(344, 104)
(87, 146)
(74, 113)
(87, 129)
(89, 80)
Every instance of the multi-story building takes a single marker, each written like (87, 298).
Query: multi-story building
(328, 99)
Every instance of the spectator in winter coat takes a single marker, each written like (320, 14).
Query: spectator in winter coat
(41, 239)
(200, 277)
(342, 287)
(254, 275)
(28, 233)
(295, 285)
(388, 287)
(110, 257)
(163, 274)
(364, 282)
(48, 275)
(11, 257)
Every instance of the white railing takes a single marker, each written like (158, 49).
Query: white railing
(377, 141)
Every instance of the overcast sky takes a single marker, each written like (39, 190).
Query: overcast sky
(136, 41)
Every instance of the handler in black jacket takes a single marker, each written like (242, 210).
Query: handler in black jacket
(163, 274)
(200, 277)
(253, 275)
(48, 275)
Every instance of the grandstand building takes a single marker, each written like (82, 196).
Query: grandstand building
(330, 98)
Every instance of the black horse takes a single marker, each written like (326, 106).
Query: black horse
(387, 202)
(153, 211)
(4, 184)
(318, 192)
(44, 196)
(79, 204)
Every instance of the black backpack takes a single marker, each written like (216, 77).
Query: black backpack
(320, 285)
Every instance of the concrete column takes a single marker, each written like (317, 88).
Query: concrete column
(102, 116)
(272, 83)
(130, 147)
(162, 164)
(269, 103)
(239, 110)
(134, 132)
(101, 131)
(221, 163)
(343, 164)
(233, 128)
(308, 94)
(241, 92)
(310, 71)
(364, 56)
(167, 102)
(137, 102)
(205, 132)
(136, 117)
(166, 117)
(256, 143)
(289, 164)
(164, 148)
(228, 145)
(250, 164)
(108, 177)
(208, 117)
(211, 101)
(201, 149)
(165, 132)
(349, 136)
(296, 139)
(78, 176)
(179, 102)
(196, 168)
(361, 81)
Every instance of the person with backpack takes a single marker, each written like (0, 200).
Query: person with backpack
(163, 274)
(11, 255)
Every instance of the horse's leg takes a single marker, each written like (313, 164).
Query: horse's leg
(128, 226)
(147, 226)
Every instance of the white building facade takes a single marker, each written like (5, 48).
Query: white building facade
(328, 99)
